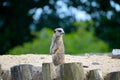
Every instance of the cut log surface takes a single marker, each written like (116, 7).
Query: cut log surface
(95, 75)
(72, 71)
(22, 72)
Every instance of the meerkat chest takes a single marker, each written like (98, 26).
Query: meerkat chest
(60, 46)
(59, 42)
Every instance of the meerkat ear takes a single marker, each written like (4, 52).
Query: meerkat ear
(54, 31)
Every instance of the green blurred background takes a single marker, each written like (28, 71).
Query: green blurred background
(91, 26)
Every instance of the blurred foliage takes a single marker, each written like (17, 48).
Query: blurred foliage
(81, 41)
(18, 18)
(84, 40)
(39, 45)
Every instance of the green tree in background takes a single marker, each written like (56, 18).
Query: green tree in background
(81, 41)
(18, 19)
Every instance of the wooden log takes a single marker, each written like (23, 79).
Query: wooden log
(21, 72)
(37, 73)
(116, 53)
(0, 68)
(0, 73)
(113, 76)
(71, 71)
(6, 75)
(95, 74)
(48, 72)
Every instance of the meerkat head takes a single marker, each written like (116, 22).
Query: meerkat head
(59, 31)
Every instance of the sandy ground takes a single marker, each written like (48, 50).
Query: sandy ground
(103, 62)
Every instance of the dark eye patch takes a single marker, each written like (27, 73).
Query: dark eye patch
(59, 31)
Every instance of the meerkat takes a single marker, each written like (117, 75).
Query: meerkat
(57, 47)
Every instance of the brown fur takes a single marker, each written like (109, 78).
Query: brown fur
(57, 50)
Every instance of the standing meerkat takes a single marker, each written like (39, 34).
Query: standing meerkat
(57, 47)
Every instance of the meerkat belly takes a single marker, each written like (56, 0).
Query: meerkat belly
(60, 47)
(60, 50)
(58, 58)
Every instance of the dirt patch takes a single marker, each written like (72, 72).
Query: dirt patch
(103, 62)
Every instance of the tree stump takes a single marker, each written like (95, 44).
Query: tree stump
(5, 75)
(113, 76)
(21, 72)
(95, 75)
(48, 72)
(37, 73)
(71, 71)
(0, 72)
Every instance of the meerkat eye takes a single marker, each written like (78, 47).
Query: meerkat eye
(59, 31)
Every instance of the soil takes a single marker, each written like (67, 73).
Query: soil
(103, 62)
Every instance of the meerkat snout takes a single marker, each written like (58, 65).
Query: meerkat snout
(57, 47)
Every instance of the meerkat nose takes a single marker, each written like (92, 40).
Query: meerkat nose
(63, 33)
